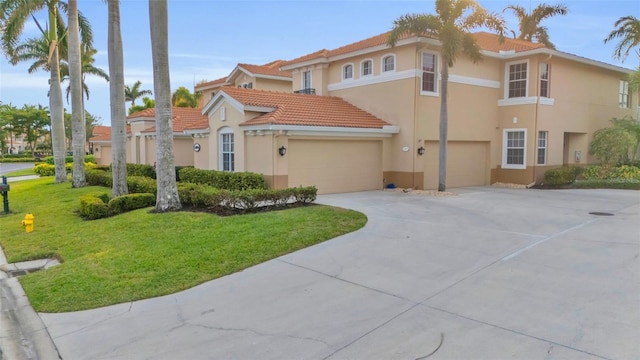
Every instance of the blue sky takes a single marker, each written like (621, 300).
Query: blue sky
(208, 38)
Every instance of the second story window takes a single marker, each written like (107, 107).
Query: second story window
(388, 63)
(347, 72)
(429, 70)
(306, 80)
(624, 100)
(517, 80)
(545, 91)
(367, 68)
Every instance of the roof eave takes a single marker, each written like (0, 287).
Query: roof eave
(560, 54)
(385, 131)
(315, 61)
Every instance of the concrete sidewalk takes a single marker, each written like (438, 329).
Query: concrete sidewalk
(488, 274)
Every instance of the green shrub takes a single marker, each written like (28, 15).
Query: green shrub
(69, 159)
(141, 184)
(44, 169)
(124, 203)
(624, 172)
(594, 172)
(632, 184)
(178, 168)
(305, 194)
(6, 159)
(141, 170)
(223, 179)
(99, 178)
(561, 176)
(93, 207)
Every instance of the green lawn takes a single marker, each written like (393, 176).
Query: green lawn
(140, 255)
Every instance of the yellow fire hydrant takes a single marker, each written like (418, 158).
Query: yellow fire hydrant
(28, 222)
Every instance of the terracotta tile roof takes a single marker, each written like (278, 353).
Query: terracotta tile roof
(220, 82)
(100, 129)
(183, 118)
(485, 40)
(304, 110)
(272, 69)
(103, 133)
(490, 42)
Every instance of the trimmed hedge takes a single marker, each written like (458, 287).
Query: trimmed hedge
(99, 178)
(44, 169)
(141, 184)
(211, 198)
(562, 176)
(632, 184)
(141, 170)
(223, 179)
(124, 203)
(69, 159)
(93, 207)
(6, 159)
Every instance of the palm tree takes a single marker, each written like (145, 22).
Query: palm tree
(14, 16)
(87, 53)
(116, 89)
(451, 25)
(182, 97)
(78, 131)
(529, 23)
(167, 192)
(132, 93)
(628, 31)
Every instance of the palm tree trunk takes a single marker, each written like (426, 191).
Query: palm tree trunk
(444, 128)
(78, 133)
(167, 194)
(56, 106)
(116, 89)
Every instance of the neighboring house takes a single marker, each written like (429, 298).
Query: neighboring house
(374, 118)
(263, 77)
(522, 110)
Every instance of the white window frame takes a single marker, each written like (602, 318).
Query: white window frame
(505, 149)
(302, 82)
(507, 83)
(547, 80)
(624, 97)
(543, 141)
(221, 135)
(362, 74)
(344, 70)
(436, 69)
(382, 63)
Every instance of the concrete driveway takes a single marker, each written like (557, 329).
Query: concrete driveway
(487, 274)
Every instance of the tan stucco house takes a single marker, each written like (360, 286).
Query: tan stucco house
(366, 115)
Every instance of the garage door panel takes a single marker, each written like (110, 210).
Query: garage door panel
(335, 166)
(467, 164)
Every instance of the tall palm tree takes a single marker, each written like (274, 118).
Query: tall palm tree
(116, 90)
(529, 22)
(78, 131)
(15, 14)
(132, 93)
(167, 194)
(182, 97)
(451, 25)
(628, 31)
(87, 54)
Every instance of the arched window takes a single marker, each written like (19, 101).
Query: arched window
(366, 68)
(388, 63)
(347, 72)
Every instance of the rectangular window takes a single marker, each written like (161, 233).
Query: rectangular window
(388, 63)
(544, 80)
(542, 147)
(227, 153)
(429, 69)
(367, 67)
(306, 80)
(517, 80)
(623, 97)
(514, 149)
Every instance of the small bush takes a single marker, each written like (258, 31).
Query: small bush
(124, 203)
(99, 178)
(222, 179)
(625, 172)
(305, 194)
(44, 169)
(69, 159)
(141, 184)
(141, 170)
(561, 176)
(178, 168)
(93, 207)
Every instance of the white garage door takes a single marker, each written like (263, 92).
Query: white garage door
(467, 164)
(335, 166)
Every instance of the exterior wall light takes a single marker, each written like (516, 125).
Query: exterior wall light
(421, 151)
(282, 150)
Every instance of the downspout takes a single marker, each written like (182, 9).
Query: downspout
(416, 141)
